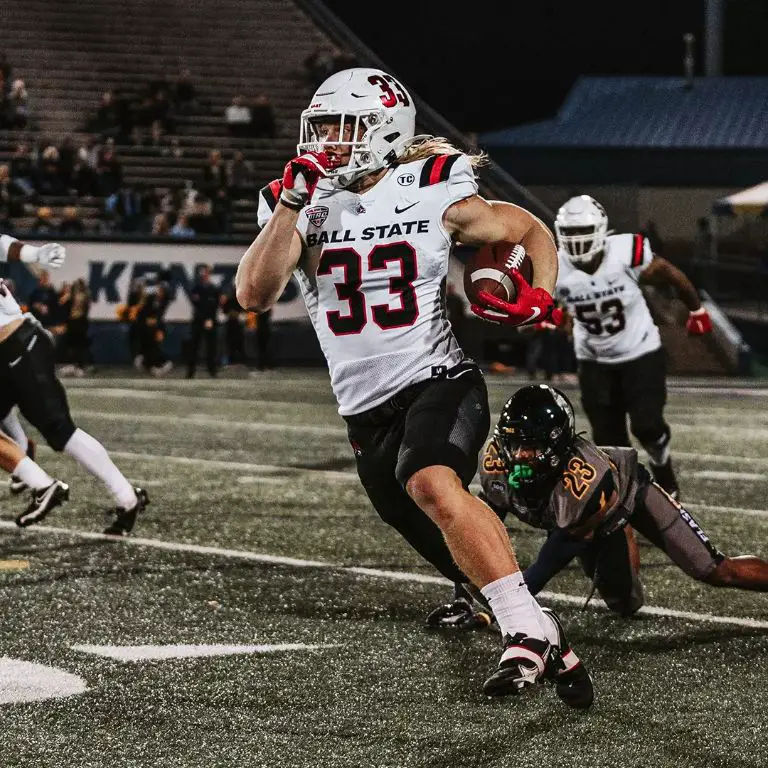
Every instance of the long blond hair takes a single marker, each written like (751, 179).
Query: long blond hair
(438, 145)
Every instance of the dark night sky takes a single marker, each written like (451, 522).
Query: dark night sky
(495, 64)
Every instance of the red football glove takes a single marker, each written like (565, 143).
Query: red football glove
(300, 178)
(533, 305)
(699, 322)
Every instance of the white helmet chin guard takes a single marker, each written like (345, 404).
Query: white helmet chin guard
(379, 111)
(581, 227)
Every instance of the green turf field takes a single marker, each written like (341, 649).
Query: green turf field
(261, 550)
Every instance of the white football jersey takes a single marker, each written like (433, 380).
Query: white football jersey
(9, 307)
(611, 319)
(372, 276)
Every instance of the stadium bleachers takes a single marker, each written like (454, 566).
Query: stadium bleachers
(69, 56)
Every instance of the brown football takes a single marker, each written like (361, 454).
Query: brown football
(489, 267)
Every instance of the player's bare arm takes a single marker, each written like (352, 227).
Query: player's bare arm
(660, 272)
(475, 220)
(266, 267)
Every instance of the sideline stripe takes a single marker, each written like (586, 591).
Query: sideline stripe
(237, 554)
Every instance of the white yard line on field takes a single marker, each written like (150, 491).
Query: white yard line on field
(238, 554)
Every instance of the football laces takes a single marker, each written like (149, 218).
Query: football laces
(515, 258)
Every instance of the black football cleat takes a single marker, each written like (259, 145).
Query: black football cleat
(564, 668)
(664, 476)
(459, 615)
(16, 485)
(43, 501)
(522, 665)
(125, 519)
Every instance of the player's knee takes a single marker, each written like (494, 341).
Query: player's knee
(427, 487)
(57, 433)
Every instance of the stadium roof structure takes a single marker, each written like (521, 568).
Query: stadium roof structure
(644, 130)
(652, 113)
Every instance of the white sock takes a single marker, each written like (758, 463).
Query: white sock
(514, 607)
(32, 474)
(94, 457)
(550, 629)
(12, 427)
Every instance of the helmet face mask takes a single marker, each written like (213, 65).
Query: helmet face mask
(581, 228)
(376, 122)
(535, 435)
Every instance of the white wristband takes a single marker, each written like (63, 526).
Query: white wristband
(6, 241)
(700, 311)
(29, 254)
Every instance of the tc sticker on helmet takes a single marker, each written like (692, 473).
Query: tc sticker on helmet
(406, 179)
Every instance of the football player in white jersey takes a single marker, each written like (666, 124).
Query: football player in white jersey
(618, 347)
(366, 216)
(28, 380)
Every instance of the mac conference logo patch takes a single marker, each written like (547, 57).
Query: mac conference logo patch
(317, 214)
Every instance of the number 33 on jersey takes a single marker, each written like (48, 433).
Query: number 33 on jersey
(372, 276)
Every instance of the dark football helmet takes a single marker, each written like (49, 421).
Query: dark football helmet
(540, 417)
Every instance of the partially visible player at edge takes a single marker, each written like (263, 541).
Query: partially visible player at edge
(366, 216)
(617, 344)
(28, 379)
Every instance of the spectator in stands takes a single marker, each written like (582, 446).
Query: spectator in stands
(126, 206)
(17, 106)
(241, 176)
(67, 159)
(9, 207)
(23, 170)
(163, 121)
(198, 210)
(214, 173)
(160, 225)
(221, 211)
(109, 171)
(238, 117)
(82, 180)
(43, 299)
(262, 118)
(71, 223)
(49, 180)
(44, 223)
(182, 229)
(108, 122)
(184, 93)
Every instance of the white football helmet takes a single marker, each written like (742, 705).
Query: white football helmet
(581, 227)
(367, 99)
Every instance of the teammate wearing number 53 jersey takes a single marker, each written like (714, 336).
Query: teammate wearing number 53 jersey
(366, 216)
(617, 344)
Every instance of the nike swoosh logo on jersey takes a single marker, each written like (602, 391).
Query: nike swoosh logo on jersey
(403, 210)
(358, 95)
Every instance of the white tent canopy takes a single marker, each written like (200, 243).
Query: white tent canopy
(752, 201)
